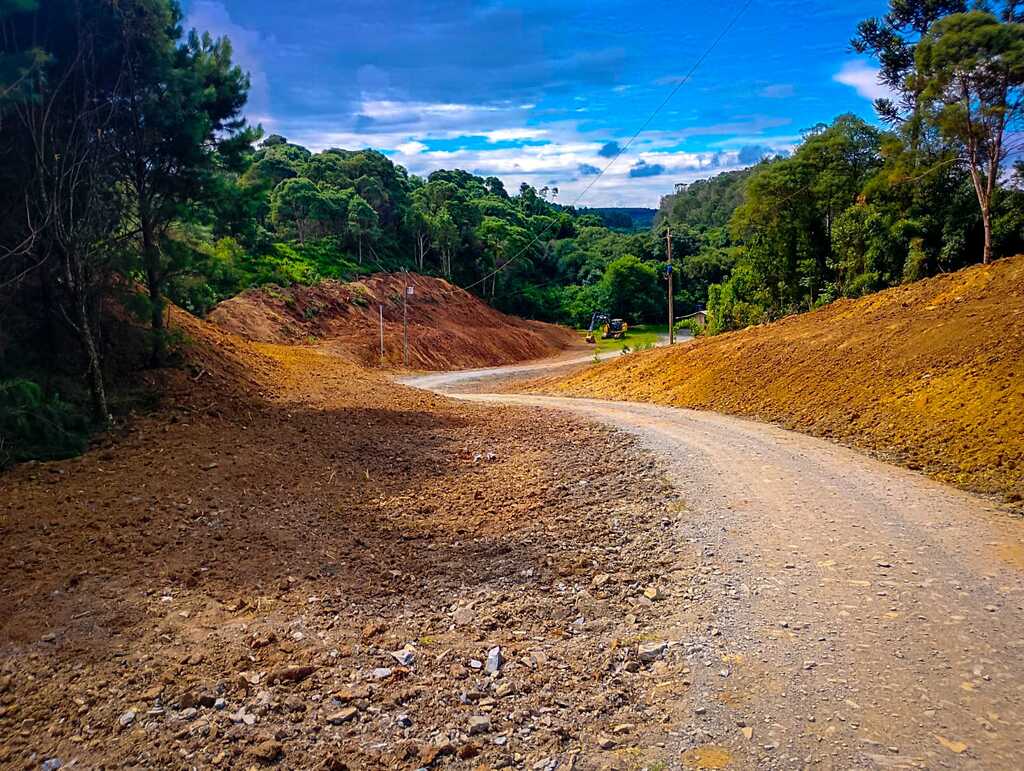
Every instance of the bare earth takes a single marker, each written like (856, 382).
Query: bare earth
(858, 615)
(300, 564)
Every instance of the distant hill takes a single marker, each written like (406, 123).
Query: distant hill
(623, 218)
(706, 203)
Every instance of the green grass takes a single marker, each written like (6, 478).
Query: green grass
(639, 336)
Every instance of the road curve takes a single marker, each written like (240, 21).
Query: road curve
(443, 382)
(849, 613)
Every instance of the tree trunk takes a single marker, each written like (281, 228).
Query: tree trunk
(74, 274)
(986, 221)
(151, 259)
(96, 387)
(421, 242)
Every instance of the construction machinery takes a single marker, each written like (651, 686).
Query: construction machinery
(611, 329)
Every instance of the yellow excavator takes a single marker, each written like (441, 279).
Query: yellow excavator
(611, 329)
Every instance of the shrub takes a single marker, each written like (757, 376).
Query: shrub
(692, 326)
(36, 426)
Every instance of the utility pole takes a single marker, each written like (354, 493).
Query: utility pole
(671, 310)
(381, 335)
(405, 319)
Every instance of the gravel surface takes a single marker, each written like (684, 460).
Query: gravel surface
(347, 574)
(855, 614)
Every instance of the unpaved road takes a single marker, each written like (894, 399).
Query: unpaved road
(460, 379)
(857, 615)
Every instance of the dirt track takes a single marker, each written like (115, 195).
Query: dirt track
(859, 615)
(929, 374)
(300, 564)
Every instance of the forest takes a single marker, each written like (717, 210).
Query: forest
(859, 207)
(129, 178)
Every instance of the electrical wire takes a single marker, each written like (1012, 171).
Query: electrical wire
(707, 52)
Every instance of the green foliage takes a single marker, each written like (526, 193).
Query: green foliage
(739, 302)
(624, 219)
(691, 326)
(706, 203)
(633, 289)
(34, 425)
(579, 303)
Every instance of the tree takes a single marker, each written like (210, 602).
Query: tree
(791, 205)
(20, 63)
(892, 39)
(633, 289)
(298, 203)
(362, 221)
(69, 211)
(445, 234)
(181, 104)
(507, 246)
(970, 75)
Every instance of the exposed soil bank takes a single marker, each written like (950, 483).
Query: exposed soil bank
(448, 328)
(930, 374)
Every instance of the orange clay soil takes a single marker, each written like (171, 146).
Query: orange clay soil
(221, 584)
(448, 327)
(930, 374)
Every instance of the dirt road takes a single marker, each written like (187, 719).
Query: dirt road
(854, 614)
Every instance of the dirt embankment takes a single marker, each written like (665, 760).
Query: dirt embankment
(930, 374)
(449, 328)
(299, 564)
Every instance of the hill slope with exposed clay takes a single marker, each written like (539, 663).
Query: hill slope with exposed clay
(930, 374)
(449, 328)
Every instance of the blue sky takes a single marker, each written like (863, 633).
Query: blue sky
(542, 91)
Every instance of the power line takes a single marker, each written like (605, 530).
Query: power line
(707, 52)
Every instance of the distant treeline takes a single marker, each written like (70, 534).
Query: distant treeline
(622, 218)
(856, 208)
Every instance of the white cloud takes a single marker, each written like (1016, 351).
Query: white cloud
(386, 109)
(411, 148)
(864, 78)
(514, 134)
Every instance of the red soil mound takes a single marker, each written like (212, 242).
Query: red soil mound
(448, 327)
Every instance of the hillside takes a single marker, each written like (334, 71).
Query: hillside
(448, 328)
(930, 374)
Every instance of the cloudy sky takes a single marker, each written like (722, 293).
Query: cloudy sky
(546, 92)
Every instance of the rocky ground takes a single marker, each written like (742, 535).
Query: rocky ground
(343, 574)
(862, 615)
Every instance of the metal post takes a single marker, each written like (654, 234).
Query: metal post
(382, 335)
(405, 322)
(671, 310)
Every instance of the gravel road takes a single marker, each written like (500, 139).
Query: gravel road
(854, 614)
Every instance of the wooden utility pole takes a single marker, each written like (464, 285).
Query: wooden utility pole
(405, 324)
(671, 310)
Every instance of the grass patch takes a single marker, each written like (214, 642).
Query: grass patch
(637, 337)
